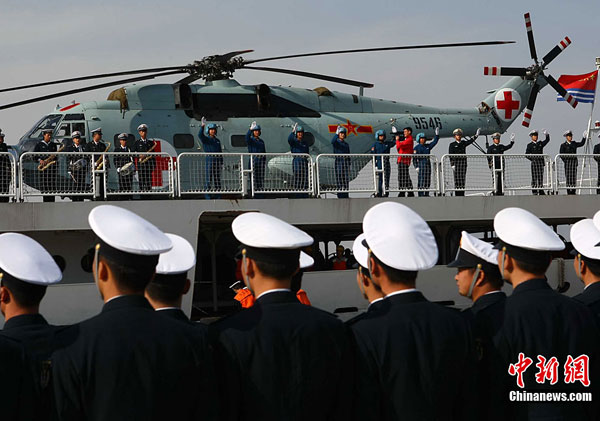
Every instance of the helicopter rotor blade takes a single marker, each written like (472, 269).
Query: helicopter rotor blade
(558, 48)
(504, 71)
(98, 76)
(530, 36)
(528, 112)
(314, 76)
(232, 54)
(87, 88)
(561, 91)
(366, 50)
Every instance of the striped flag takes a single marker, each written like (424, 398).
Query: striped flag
(582, 87)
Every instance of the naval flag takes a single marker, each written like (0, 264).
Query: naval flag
(582, 87)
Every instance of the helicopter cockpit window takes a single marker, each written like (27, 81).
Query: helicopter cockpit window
(66, 129)
(238, 141)
(183, 141)
(48, 122)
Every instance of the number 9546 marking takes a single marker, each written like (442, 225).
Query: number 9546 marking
(422, 123)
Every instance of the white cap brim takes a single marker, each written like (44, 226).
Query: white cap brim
(179, 259)
(25, 259)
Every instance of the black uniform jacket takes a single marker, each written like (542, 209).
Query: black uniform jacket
(178, 314)
(540, 321)
(122, 160)
(415, 361)
(591, 298)
(372, 307)
(596, 151)
(537, 148)
(40, 341)
(459, 148)
(129, 363)
(283, 360)
(570, 148)
(145, 146)
(16, 389)
(486, 317)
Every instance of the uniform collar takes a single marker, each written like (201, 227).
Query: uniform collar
(402, 291)
(374, 304)
(589, 295)
(272, 291)
(275, 296)
(174, 312)
(25, 320)
(532, 285)
(126, 301)
(487, 300)
(403, 297)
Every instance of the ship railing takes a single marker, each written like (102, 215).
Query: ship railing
(139, 173)
(577, 173)
(8, 177)
(376, 174)
(65, 174)
(526, 174)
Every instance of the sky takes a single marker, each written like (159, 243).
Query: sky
(44, 40)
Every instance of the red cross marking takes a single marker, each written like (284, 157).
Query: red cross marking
(507, 104)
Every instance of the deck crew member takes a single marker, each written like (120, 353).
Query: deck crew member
(48, 177)
(16, 389)
(535, 147)
(478, 279)
(382, 147)
(296, 285)
(342, 164)
(596, 152)
(539, 321)
(497, 163)
(585, 237)
(27, 270)
(97, 145)
(5, 170)
(78, 166)
(145, 163)
(298, 145)
(166, 290)
(571, 162)
(257, 145)
(405, 148)
(371, 292)
(415, 357)
(129, 362)
(423, 164)
(213, 163)
(459, 163)
(280, 359)
(125, 165)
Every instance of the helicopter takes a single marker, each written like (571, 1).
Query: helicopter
(173, 111)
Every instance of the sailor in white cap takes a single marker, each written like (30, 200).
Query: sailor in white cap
(98, 145)
(537, 319)
(279, 342)
(166, 290)
(78, 166)
(585, 237)
(125, 165)
(129, 350)
(478, 279)
(26, 270)
(414, 355)
(5, 170)
(496, 163)
(48, 171)
(459, 163)
(146, 163)
(568, 147)
(536, 147)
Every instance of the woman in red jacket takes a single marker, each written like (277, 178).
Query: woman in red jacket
(404, 147)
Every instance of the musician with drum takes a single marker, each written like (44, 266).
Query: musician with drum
(78, 167)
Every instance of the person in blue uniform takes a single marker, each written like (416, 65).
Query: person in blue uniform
(538, 321)
(423, 164)
(23, 286)
(585, 237)
(596, 152)
(78, 166)
(299, 163)
(342, 164)
(48, 177)
(145, 169)
(5, 170)
(280, 359)
(568, 147)
(497, 163)
(459, 163)
(129, 362)
(478, 279)
(415, 357)
(535, 147)
(213, 163)
(380, 147)
(259, 162)
(125, 176)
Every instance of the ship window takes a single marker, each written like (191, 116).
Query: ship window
(183, 141)
(238, 141)
(71, 117)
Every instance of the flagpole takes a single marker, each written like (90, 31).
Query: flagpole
(588, 138)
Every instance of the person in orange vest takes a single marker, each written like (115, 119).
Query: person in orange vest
(306, 261)
(243, 295)
(339, 262)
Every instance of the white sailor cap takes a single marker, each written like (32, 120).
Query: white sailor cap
(306, 261)
(25, 259)
(585, 238)
(75, 134)
(96, 130)
(399, 237)
(179, 259)
(597, 220)
(568, 133)
(533, 133)
(457, 131)
(126, 237)
(142, 127)
(473, 252)
(496, 135)
(50, 131)
(269, 239)
(360, 252)
(525, 236)
(123, 136)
